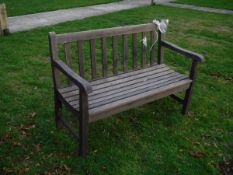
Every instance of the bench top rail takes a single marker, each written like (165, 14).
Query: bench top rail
(107, 32)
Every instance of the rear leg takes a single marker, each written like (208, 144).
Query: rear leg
(58, 111)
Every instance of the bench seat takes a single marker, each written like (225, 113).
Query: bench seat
(118, 93)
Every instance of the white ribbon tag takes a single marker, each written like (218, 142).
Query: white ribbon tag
(162, 24)
(144, 41)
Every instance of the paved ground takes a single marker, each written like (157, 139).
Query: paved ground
(26, 22)
(206, 9)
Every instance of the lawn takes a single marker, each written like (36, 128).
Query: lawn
(152, 139)
(221, 4)
(23, 7)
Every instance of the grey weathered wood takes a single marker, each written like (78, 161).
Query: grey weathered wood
(115, 55)
(56, 79)
(83, 123)
(68, 57)
(75, 78)
(134, 50)
(125, 92)
(136, 84)
(98, 98)
(123, 86)
(196, 58)
(143, 76)
(143, 50)
(125, 53)
(67, 54)
(188, 94)
(129, 74)
(104, 57)
(106, 87)
(81, 58)
(128, 97)
(160, 48)
(152, 47)
(137, 100)
(108, 32)
(126, 86)
(100, 101)
(111, 82)
(132, 92)
(54, 56)
(93, 58)
(151, 70)
(58, 110)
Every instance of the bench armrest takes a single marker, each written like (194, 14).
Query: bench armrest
(190, 54)
(75, 78)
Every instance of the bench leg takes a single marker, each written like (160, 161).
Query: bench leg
(187, 100)
(58, 111)
(83, 135)
(83, 121)
(188, 94)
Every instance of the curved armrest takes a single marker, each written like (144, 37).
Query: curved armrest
(190, 54)
(75, 78)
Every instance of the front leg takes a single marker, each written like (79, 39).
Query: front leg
(188, 94)
(83, 121)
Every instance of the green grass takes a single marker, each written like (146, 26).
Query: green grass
(221, 4)
(15, 8)
(152, 139)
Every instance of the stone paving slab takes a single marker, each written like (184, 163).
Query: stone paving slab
(193, 7)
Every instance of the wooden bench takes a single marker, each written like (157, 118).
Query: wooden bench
(115, 84)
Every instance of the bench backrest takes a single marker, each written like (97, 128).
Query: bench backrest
(90, 50)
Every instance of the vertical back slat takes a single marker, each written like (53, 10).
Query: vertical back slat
(68, 57)
(115, 55)
(68, 54)
(125, 53)
(152, 47)
(81, 58)
(93, 58)
(143, 50)
(104, 57)
(160, 48)
(134, 51)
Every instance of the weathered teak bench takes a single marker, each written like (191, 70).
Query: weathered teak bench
(114, 86)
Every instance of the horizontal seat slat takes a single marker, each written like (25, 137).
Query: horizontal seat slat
(128, 93)
(67, 89)
(126, 87)
(113, 78)
(109, 82)
(118, 81)
(133, 83)
(137, 100)
(128, 74)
